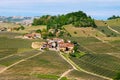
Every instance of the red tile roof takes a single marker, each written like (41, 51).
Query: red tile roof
(64, 45)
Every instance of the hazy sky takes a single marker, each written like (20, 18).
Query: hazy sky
(99, 9)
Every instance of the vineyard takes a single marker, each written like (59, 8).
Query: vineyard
(101, 64)
(107, 31)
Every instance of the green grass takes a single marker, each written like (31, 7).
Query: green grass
(8, 25)
(64, 78)
(102, 26)
(102, 48)
(5, 52)
(9, 34)
(29, 29)
(82, 32)
(45, 76)
(100, 23)
(14, 43)
(114, 22)
(116, 43)
(93, 45)
(16, 57)
(101, 64)
(84, 40)
(117, 28)
(82, 76)
(46, 64)
(107, 31)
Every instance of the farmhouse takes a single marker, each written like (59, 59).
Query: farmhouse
(3, 29)
(32, 36)
(56, 44)
(66, 47)
(9, 29)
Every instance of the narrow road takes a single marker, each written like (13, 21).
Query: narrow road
(76, 67)
(113, 30)
(65, 73)
(6, 57)
(100, 39)
(19, 62)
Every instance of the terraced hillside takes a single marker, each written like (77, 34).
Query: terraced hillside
(117, 28)
(19, 61)
(83, 32)
(101, 64)
(103, 27)
(29, 29)
(113, 22)
(102, 58)
(8, 25)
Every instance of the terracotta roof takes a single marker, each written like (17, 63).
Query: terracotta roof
(30, 35)
(64, 45)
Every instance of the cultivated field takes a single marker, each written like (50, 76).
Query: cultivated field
(107, 31)
(82, 76)
(19, 61)
(29, 29)
(46, 66)
(83, 32)
(114, 22)
(8, 25)
(101, 64)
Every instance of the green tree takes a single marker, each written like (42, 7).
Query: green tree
(22, 27)
(38, 31)
(78, 19)
(117, 77)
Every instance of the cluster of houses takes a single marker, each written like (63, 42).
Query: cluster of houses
(3, 29)
(55, 44)
(32, 36)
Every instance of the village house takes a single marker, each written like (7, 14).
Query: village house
(66, 47)
(3, 29)
(32, 36)
(9, 29)
(55, 44)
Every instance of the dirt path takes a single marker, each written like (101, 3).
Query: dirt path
(113, 29)
(4, 69)
(100, 39)
(6, 57)
(65, 73)
(76, 67)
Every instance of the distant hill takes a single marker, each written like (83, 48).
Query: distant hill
(14, 18)
(78, 19)
(113, 17)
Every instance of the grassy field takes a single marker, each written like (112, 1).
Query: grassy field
(117, 28)
(14, 43)
(8, 25)
(77, 75)
(9, 34)
(96, 46)
(102, 58)
(102, 64)
(47, 66)
(29, 29)
(107, 31)
(102, 26)
(16, 57)
(100, 23)
(83, 32)
(114, 22)
(5, 52)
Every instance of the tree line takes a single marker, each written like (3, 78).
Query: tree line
(113, 17)
(78, 19)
